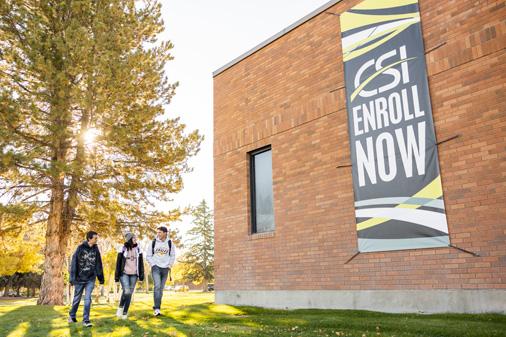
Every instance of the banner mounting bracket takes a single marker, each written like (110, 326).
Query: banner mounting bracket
(464, 250)
(435, 47)
(448, 139)
(338, 88)
(351, 258)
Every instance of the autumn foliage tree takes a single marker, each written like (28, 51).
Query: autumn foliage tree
(20, 252)
(84, 140)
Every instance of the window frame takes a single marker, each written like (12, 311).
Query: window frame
(253, 215)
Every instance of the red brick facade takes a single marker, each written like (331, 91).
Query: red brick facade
(290, 95)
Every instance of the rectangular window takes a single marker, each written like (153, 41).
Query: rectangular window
(262, 206)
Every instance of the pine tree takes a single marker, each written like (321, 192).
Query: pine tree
(199, 257)
(84, 141)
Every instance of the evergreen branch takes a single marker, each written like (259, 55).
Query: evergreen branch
(26, 136)
(22, 86)
(23, 186)
(35, 194)
(31, 168)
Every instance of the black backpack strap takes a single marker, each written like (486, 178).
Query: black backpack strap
(153, 246)
(170, 269)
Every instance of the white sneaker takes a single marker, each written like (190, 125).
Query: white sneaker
(124, 316)
(156, 312)
(119, 312)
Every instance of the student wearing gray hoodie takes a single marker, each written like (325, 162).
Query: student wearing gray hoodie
(160, 256)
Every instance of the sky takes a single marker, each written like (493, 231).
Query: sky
(207, 35)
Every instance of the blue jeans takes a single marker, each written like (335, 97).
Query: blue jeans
(78, 292)
(128, 285)
(159, 278)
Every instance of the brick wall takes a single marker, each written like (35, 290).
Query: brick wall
(290, 94)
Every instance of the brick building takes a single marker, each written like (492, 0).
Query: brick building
(281, 132)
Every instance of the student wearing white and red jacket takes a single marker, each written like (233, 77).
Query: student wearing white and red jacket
(129, 268)
(160, 256)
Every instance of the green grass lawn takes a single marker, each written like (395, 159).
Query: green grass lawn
(194, 314)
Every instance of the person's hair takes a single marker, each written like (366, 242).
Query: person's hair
(90, 235)
(163, 229)
(130, 244)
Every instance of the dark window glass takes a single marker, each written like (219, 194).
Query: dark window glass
(261, 191)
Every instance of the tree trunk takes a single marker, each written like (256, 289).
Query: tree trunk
(115, 291)
(68, 294)
(58, 229)
(52, 286)
(146, 279)
(8, 285)
(57, 235)
(110, 285)
(204, 284)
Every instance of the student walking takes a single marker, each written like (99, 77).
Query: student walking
(160, 256)
(129, 268)
(86, 266)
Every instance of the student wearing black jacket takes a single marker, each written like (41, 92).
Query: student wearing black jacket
(129, 268)
(85, 268)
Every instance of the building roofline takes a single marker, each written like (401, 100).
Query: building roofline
(276, 36)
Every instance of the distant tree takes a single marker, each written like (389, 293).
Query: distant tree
(182, 273)
(83, 137)
(198, 260)
(20, 249)
(20, 252)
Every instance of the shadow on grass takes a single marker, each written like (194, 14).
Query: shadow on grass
(311, 322)
(209, 319)
(27, 321)
(141, 323)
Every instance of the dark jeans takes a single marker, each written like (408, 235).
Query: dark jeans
(128, 285)
(159, 278)
(78, 292)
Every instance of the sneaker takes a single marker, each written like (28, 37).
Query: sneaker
(157, 312)
(124, 316)
(87, 324)
(119, 312)
(72, 320)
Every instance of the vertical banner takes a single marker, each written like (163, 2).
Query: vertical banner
(397, 185)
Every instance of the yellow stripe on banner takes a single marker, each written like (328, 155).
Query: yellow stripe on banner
(350, 48)
(433, 190)
(361, 51)
(407, 206)
(373, 76)
(352, 20)
(375, 4)
(371, 223)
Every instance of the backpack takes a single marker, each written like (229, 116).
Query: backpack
(154, 243)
